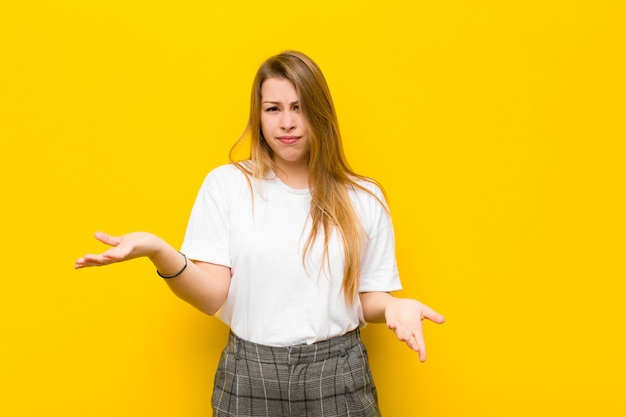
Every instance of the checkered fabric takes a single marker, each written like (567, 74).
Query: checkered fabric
(331, 378)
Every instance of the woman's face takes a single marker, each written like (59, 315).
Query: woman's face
(284, 127)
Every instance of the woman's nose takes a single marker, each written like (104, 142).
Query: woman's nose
(287, 121)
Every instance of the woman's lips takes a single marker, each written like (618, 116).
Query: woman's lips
(288, 140)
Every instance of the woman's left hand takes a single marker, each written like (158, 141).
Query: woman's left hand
(404, 316)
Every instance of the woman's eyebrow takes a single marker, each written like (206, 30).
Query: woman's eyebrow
(278, 102)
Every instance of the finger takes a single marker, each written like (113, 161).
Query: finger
(403, 336)
(414, 344)
(421, 346)
(432, 315)
(415, 340)
(80, 263)
(107, 239)
(88, 264)
(83, 263)
(96, 260)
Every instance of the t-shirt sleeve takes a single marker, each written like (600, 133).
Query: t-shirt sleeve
(207, 235)
(379, 270)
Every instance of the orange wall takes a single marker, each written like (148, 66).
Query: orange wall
(496, 127)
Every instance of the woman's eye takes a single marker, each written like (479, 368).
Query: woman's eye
(271, 109)
(296, 107)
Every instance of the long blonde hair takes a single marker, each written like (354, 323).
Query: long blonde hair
(329, 175)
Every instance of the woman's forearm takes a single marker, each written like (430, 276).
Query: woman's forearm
(203, 285)
(374, 305)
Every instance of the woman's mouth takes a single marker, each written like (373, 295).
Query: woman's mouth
(288, 140)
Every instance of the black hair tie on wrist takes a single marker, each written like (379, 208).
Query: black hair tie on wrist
(176, 274)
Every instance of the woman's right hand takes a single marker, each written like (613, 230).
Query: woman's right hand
(125, 247)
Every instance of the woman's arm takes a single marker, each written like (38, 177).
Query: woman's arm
(403, 315)
(203, 285)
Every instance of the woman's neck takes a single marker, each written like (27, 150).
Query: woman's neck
(294, 175)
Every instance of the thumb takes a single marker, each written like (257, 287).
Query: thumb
(107, 239)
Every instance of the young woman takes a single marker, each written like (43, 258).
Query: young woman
(294, 251)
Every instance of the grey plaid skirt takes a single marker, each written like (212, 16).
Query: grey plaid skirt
(331, 378)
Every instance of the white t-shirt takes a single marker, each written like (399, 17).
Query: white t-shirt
(275, 299)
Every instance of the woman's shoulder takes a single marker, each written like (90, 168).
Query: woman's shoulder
(369, 201)
(365, 186)
(230, 171)
(367, 194)
(227, 176)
